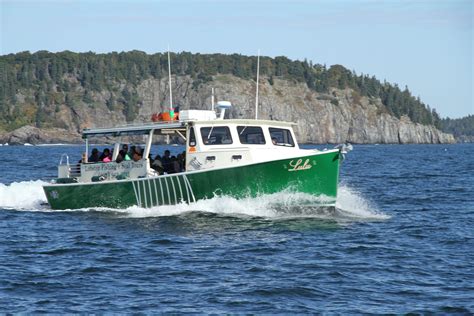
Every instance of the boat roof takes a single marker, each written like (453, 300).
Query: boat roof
(138, 129)
(246, 122)
(145, 128)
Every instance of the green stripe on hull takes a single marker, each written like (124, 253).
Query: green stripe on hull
(317, 175)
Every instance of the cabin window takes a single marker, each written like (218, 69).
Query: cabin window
(251, 135)
(216, 135)
(281, 137)
(192, 137)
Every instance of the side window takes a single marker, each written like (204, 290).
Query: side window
(192, 137)
(251, 135)
(216, 135)
(281, 137)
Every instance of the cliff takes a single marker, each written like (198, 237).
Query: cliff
(62, 93)
(334, 117)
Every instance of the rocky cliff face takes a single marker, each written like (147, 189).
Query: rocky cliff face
(336, 117)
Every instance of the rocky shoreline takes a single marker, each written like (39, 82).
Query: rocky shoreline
(34, 136)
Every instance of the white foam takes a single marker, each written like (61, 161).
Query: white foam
(22, 195)
(353, 203)
(286, 204)
(225, 205)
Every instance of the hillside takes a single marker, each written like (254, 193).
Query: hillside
(461, 128)
(56, 92)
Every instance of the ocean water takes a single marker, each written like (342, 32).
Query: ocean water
(400, 240)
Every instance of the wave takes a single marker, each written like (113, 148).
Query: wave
(354, 204)
(350, 204)
(25, 195)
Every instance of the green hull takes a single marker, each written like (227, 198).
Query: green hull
(315, 174)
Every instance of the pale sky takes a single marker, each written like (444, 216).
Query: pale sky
(426, 45)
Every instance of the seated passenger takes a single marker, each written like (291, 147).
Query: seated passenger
(120, 156)
(137, 155)
(175, 166)
(94, 157)
(157, 165)
(167, 163)
(125, 155)
(131, 152)
(181, 162)
(105, 157)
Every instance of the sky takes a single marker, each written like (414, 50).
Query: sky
(425, 45)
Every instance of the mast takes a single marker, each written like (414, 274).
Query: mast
(212, 99)
(256, 94)
(169, 77)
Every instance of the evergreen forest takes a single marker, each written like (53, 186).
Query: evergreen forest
(459, 127)
(47, 77)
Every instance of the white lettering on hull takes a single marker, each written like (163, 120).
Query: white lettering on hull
(299, 165)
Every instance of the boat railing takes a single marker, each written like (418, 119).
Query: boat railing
(62, 157)
(65, 170)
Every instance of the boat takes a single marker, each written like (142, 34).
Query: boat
(232, 157)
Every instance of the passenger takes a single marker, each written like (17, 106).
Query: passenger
(125, 154)
(120, 156)
(157, 164)
(105, 157)
(137, 155)
(274, 141)
(94, 157)
(184, 160)
(166, 161)
(180, 160)
(131, 152)
(175, 166)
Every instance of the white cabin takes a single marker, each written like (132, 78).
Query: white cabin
(226, 143)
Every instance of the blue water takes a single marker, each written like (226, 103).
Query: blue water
(401, 240)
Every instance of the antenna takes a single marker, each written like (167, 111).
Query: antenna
(256, 94)
(169, 77)
(212, 99)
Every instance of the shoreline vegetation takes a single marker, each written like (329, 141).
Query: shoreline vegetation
(50, 97)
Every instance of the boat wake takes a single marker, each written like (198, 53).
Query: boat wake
(26, 195)
(350, 205)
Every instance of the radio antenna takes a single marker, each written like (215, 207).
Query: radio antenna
(256, 93)
(169, 77)
(212, 99)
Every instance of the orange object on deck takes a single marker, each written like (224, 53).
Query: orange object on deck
(164, 116)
